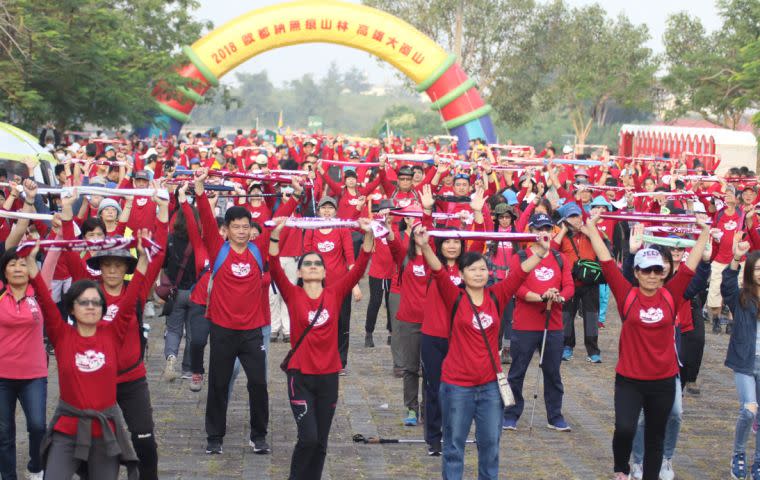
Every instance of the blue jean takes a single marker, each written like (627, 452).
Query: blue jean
(432, 350)
(32, 394)
(748, 389)
(460, 406)
(672, 429)
(177, 322)
(604, 300)
(524, 344)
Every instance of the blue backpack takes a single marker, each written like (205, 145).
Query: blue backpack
(222, 256)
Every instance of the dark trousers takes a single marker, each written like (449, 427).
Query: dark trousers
(226, 345)
(586, 299)
(656, 398)
(61, 464)
(379, 288)
(32, 394)
(524, 344)
(134, 400)
(344, 329)
(693, 348)
(312, 399)
(433, 350)
(199, 329)
(505, 327)
(409, 346)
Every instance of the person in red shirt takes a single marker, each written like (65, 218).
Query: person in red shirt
(469, 390)
(550, 282)
(314, 305)
(647, 362)
(381, 272)
(237, 324)
(87, 355)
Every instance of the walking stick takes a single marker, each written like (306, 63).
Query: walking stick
(359, 438)
(540, 364)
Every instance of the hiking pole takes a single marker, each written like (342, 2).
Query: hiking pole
(359, 438)
(540, 363)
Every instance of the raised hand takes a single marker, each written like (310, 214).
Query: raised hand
(478, 200)
(421, 237)
(740, 247)
(636, 240)
(427, 198)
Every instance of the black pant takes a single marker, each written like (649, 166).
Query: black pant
(226, 345)
(344, 329)
(199, 328)
(312, 399)
(379, 289)
(693, 348)
(134, 400)
(586, 299)
(656, 398)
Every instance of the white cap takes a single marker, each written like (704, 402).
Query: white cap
(567, 149)
(698, 207)
(648, 257)
(149, 152)
(262, 159)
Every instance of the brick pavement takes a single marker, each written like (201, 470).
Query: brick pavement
(371, 403)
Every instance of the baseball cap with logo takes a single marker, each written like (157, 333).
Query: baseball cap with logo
(327, 200)
(141, 175)
(405, 172)
(540, 220)
(646, 258)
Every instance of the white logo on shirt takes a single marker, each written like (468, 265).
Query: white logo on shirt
(255, 214)
(485, 319)
(241, 269)
(456, 279)
(544, 274)
(353, 201)
(111, 312)
(652, 315)
(418, 270)
(729, 225)
(377, 196)
(141, 202)
(404, 203)
(323, 317)
(326, 246)
(89, 361)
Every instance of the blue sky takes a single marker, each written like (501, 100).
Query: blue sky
(292, 62)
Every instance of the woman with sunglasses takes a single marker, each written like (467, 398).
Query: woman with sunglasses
(469, 390)
(647, 363)
(88, 425)
(314, 307)
(743, 356)
(690, 309)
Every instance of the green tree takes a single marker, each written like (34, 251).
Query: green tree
(481, 33)
(580, 61)
(408, 121)
(714, 75)
(78, 61)
(355, 80)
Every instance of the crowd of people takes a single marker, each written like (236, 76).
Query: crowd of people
(480, 258)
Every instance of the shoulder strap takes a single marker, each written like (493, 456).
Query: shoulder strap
(254, 249)
(308, 327)
(495, 301)
(575, 247)
(630, 297)
(558, 258)
(522, 255)
(183, 265)
(225, 251)
(454, 312)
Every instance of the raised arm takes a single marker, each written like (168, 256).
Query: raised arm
(19, 229)
(210, 235)
(54, 324)
(597, 243)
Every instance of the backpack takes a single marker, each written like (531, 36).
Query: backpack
(222, 256)
(459, 300)
(634, 293)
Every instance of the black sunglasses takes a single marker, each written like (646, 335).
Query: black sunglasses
(312, 263)
(89, 303)
(650, 270)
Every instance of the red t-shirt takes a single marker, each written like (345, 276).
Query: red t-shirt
(437, 317)
(336, 248)
(468, 363)
(87, 366)
(531, 316)
(414, 284)
(728, 225)
(647, 339)
(318, 353)
(143, 214)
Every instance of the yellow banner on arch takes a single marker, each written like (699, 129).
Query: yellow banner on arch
(356, 26)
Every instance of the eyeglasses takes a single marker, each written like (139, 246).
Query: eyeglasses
(312, 263)
(89, 303)
(651, 270)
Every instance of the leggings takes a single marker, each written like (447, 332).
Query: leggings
(379, 289)
(312, 400)
(656, 398)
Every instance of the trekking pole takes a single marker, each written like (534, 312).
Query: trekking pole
(540, 364)
(359, 438)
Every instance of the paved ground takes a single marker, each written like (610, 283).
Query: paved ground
(371, 404)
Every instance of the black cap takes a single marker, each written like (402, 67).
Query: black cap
(611, 182)
(540, 220)
(350, 173)
(406, 172)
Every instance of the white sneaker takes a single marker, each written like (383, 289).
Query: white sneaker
(621, 476)
(666, 470)
(637, 471)
(35, 476)
(170, 373)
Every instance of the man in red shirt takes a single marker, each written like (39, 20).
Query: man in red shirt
(551, 281)
(236, 322)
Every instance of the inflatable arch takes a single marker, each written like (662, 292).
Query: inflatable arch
(432, 69)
